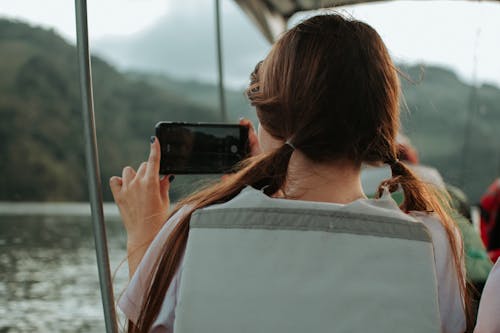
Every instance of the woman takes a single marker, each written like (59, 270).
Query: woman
(327, 99)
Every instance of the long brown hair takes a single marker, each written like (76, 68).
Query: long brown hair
(329, 87)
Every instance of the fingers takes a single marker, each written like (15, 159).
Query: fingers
(128, 174)
(142, 169)
(165, 185)
(115, 183)
(247, 123)
(253, 140)
(153, 165)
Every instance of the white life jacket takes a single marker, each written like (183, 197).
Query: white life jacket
(252, 267)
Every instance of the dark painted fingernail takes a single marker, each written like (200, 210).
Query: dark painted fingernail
(171, 178)
(152, 139)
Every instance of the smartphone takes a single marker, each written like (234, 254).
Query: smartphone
(201, 148)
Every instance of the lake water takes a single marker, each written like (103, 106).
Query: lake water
(48, 272)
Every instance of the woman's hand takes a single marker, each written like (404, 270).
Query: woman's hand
(252, 137)
(143, 202)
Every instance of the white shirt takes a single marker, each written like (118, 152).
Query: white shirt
(488, 317)
(450, 302)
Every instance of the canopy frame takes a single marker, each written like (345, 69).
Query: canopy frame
(271, 16)
(93, 169)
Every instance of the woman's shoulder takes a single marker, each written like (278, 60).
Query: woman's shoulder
(132, 297)
(432, 221)
(439, 235)
(437, 230)
(450, 300)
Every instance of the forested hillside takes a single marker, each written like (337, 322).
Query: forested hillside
(456, 127)
(41, 152)
(41, 131)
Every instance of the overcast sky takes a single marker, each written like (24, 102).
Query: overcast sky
(450, 33)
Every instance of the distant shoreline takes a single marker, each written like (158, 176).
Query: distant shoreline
(74, 209)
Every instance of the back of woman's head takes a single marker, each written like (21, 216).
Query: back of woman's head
(329, 86)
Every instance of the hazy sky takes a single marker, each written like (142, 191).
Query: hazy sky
(451, 33)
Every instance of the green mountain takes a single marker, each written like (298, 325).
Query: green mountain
(454, 125)
(200, 93)
(41, 146)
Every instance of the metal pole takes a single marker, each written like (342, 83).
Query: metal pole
(471, 111)
(222, 98)
(469, 118)
(93, 173)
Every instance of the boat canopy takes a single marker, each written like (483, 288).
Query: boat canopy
(271, 16)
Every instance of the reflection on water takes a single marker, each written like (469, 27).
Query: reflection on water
(48, 273)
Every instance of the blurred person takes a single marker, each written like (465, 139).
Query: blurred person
(327, 99)
(490, 220)
(408, 154)
(372, 175)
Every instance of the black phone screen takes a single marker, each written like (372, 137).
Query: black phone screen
(201, 148)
